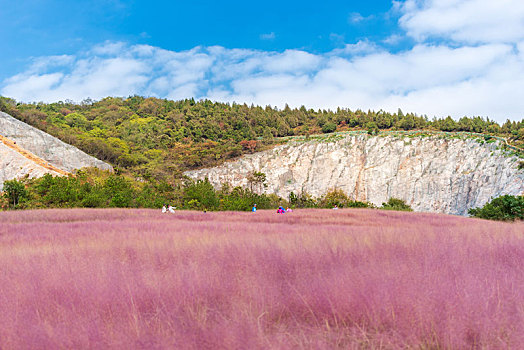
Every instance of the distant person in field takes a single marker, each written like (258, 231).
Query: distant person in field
(335, 207)
(281, 210)
(171, 209)
(164, 209)
(254, 209)
(289, 210)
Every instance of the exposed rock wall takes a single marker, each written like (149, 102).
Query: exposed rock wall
(25, 150)
(14, 165)
(432, 174)
(47, 147)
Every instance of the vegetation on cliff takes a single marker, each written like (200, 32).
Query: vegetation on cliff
(151, 142)
(158, 138)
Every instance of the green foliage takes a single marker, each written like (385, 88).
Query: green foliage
(200, 195)
(15, 192)
(256, 181)
(358, 204)
(505, 208)
(153, 141)
(302, 200)
(329, 127)
(340, 199)
(242, 199)
(372, 128)
(293, 198)
(119, 191)
(332, 198)
(93, 188)
(159, 139)
(396, 204)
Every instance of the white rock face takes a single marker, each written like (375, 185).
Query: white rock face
(431, 174)
(50, 149)
(13, 165)
(47, 147)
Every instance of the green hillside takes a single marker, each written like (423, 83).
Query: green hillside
(158, 138)
(151, 142)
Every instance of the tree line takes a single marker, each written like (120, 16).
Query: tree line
(152, 141)
(160, 138)
(94, 188)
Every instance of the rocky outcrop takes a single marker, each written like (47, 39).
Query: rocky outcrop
(14, 165)
(47, 147)
(25, 150)
(432, 174)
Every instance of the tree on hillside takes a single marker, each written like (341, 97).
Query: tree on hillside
(14, 192)
(256, 181)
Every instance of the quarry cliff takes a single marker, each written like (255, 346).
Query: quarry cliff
(436, 173)
(25, 150)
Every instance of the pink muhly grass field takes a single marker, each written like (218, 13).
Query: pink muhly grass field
(308, 279)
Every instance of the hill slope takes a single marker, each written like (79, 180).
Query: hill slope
(25, 150)
(14, 164)
(432, 174)
(53, 150)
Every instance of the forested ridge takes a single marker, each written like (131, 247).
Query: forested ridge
(152, 141)
(159, 138)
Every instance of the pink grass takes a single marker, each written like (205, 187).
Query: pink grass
(307, 279)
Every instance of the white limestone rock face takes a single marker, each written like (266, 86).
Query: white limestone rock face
(47, 147)
(432, 174)
(13, 165)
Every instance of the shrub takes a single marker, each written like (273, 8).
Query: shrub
(340, 199)
(357, 204)
(396, 204)
(333, 197)
(200, 194)
(505, 208)
(329, 127)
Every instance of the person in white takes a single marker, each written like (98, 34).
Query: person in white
(164, 209)
(171, 209)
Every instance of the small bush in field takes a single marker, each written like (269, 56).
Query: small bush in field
(396, 204)
(505, 208)
(340, 199)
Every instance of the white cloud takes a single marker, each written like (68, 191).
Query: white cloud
(393, 39)
(360, 48)
(357, 18)
(108, 48)
(433, 80)
(268, 36)
(467, 21)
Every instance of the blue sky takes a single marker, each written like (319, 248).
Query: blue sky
(433, 57)
(37, 28)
